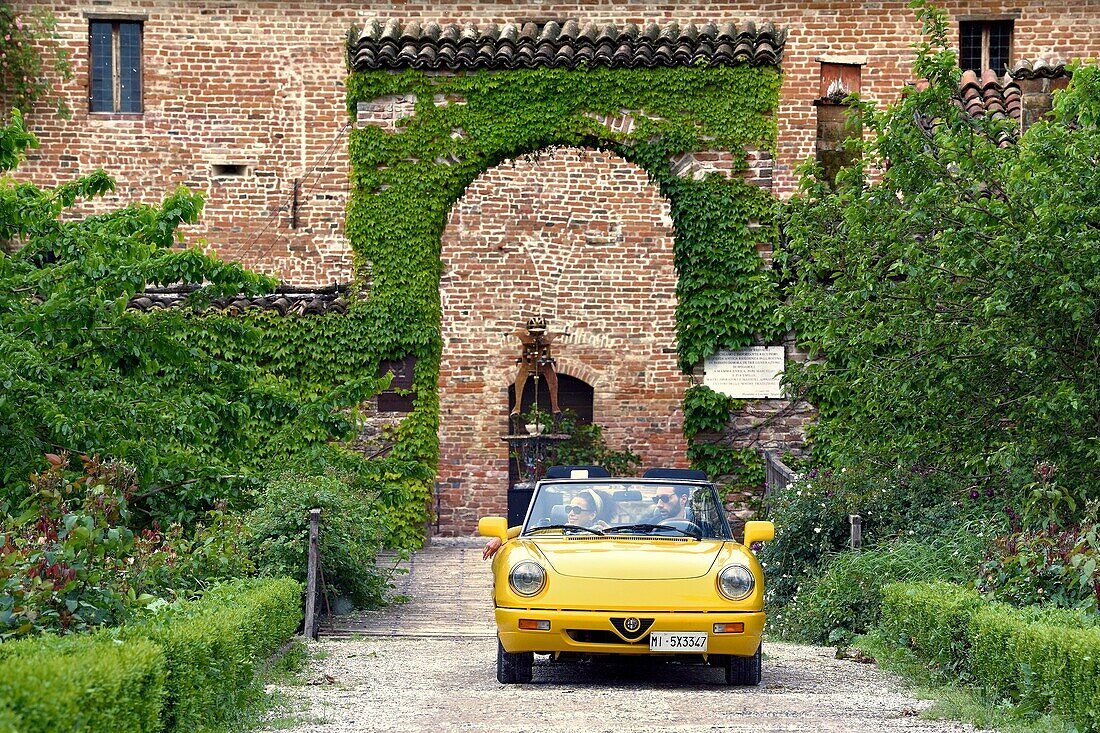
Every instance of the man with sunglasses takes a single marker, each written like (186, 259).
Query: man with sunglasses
(670, 502)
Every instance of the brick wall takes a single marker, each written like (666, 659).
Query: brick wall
(261, 84)
(585, 239)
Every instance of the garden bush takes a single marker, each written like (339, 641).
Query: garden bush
(176, 670)
(396, 488)
(846, 598)
(74, 560)
(933, 619)
(1046, 659)
(350, 535)
(811, 518)
(1052, 663)
(86, 683)
(210, 646)
(1054, 562)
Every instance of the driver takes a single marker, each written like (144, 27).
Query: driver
(670, 503)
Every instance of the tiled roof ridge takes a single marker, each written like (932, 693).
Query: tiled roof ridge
(392, 44)
(999, 97)
(286, 300)
(1044, 67)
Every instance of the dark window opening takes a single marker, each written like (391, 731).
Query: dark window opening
(985, 44)
(574, 395)
(397, 397)
(229, 170)
(115, 63)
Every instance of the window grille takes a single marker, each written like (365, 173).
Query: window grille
(115, 63)
(985, 44)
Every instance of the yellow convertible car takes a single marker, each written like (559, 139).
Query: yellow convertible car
(627, 566)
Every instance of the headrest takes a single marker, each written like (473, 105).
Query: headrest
(575, 472)
(687, 474)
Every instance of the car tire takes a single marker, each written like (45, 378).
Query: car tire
(512, 668)
(743, 671)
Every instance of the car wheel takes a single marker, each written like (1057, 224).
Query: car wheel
(743, 671)
(512, 668)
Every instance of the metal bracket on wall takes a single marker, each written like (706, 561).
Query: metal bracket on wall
(294, 204)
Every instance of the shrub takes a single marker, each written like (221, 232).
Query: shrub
(1055, 564)
(397, 489)
(1046, 659)
(349, 540)
(81, 683)
(175, 671)
(210, 646)
(931, 618)
(846, 599)
(72, 561)
(811, 517)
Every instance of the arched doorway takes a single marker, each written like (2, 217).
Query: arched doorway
(574, 395)
(585, 239)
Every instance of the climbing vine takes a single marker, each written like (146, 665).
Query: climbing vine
(32, 60)
(404, 184)
(306, 357)
(406, 180)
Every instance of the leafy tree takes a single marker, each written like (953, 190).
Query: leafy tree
(80, 373)
(949, 286)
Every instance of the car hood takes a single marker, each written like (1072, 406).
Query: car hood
(628, 559)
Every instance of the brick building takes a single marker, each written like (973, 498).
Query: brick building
(246, 101)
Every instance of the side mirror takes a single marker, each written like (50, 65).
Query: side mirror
(758, 532)
(493, 527)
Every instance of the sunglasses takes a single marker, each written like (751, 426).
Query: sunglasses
(662, 498)
(576, 510)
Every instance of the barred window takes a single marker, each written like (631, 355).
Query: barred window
(114, 54)
(985, 44)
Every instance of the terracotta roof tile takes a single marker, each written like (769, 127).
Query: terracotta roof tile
(1044, 67)
(284, 301)
(454, 47)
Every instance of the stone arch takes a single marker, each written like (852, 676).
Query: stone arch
(527, 238)
(502, 378)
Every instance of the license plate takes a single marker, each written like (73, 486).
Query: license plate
(691, 642)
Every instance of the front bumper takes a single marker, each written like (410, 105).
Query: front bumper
(593, 632)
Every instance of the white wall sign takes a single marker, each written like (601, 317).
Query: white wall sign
(745, 373)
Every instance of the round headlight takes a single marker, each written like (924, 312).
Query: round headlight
(736, 582)
(527, 578)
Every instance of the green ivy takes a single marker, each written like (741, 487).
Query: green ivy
(305, 357)
(405, 182)
(707, 411)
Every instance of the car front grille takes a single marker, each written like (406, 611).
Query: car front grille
(597, 636)
(643, 627)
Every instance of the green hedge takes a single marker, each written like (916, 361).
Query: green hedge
(81, 683)
(846, 598)
(933, 619)
(210, 646)
(1045, 659)
(175, 672)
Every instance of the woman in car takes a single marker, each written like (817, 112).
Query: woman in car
(590, 508)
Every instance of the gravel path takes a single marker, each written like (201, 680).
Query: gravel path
(430, 665)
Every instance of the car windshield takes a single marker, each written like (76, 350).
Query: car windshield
(618, 508)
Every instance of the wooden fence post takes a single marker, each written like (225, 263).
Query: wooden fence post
(856, 523)
(310, 629)
(777, 475)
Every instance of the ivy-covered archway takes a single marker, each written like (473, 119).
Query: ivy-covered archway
(428, 135)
